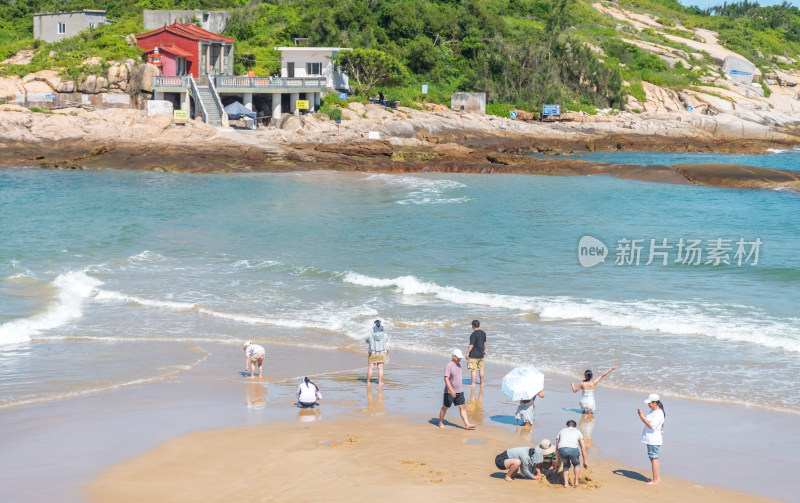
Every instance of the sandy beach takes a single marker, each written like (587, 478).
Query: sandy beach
(210, 434)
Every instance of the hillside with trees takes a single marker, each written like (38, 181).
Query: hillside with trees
(522, 53)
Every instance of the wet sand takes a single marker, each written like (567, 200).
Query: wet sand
(359, 445)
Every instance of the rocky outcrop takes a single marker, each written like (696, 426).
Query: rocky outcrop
(141, 77)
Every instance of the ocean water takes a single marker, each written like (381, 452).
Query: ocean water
(102, 272)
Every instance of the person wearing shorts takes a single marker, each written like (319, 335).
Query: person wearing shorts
(378, 351)
(651, 434)
(453, 391)
(522, 460)
(253, 355)
(476, 351)
(570, 447)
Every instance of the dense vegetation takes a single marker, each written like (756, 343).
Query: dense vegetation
(520, 52)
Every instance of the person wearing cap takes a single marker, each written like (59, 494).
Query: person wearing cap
(520, 461)
(476, 351)
(377, 351)
(651, 434)
(453, 392)
(570, 447)
(253, 354)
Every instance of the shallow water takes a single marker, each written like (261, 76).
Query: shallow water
(93, 262)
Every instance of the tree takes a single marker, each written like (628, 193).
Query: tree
(369, 67)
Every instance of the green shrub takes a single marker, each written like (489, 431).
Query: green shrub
(499, 109)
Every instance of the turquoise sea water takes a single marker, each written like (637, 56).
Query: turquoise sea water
(98, 266)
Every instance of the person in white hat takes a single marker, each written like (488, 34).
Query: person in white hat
(548, 450)
(253, 355)
(651, 434)
(453, 391)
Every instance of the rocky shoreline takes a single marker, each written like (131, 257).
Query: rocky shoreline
(411, 141)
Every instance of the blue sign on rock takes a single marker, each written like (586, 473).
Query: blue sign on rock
(342, 96)
(551, 109)
(689, 108)
(51, 97)
(513, 114)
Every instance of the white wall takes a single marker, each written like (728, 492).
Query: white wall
(312, 55)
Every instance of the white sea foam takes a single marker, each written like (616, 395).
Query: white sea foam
(731, 323)
(423, 190)
(147, 256)
(73, 289)
(117, 296)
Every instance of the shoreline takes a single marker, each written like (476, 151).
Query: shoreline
(417, 142)
(109, 428)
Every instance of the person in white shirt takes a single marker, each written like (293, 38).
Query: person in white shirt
(570, 447)
(308, 393)
(253, 354)
(651, 434)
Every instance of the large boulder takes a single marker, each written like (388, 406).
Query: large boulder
(93, 84)
(9, 87)
(785, 80)
(49, 77)
(141, 77)
(739, 69)
(37, 87)
(66, 87)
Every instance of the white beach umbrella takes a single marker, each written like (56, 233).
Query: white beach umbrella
(522, 383)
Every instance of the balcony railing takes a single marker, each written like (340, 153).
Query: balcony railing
(179, 81)
(228, 81)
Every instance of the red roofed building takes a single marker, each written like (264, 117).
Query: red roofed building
(185, 49)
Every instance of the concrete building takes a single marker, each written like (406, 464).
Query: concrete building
(52, 27)
(313, 62)
(307, 74)
(214, 21)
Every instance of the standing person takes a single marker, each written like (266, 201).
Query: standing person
(570, 447)
(377, 351)
(587, 403)
(476, 351)
(308, 393)
(253, 354)
(651, 434)
(522, 460)
(453, 392)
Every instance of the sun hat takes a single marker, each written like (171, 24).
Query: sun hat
(652, 398)
(476, 323)
(546, 447)
(246, 344)
(457, 353)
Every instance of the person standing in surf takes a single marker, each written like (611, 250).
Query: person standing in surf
(476, 351)
(253, 355)
(377, 351)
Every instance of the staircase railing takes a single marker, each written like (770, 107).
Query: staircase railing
(198, 100)
(222, 115)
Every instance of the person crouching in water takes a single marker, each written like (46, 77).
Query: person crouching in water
(377, 351)
(308, 393)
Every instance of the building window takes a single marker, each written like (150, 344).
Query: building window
(62, 28)
(313, 68)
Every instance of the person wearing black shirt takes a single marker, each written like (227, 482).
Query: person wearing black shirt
(476, 351)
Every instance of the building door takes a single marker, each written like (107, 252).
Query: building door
(290, 69)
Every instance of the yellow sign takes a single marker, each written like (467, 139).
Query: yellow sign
(301, 104)
(180, 115)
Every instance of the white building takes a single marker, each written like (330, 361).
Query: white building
(313, 62)
(55, 26)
